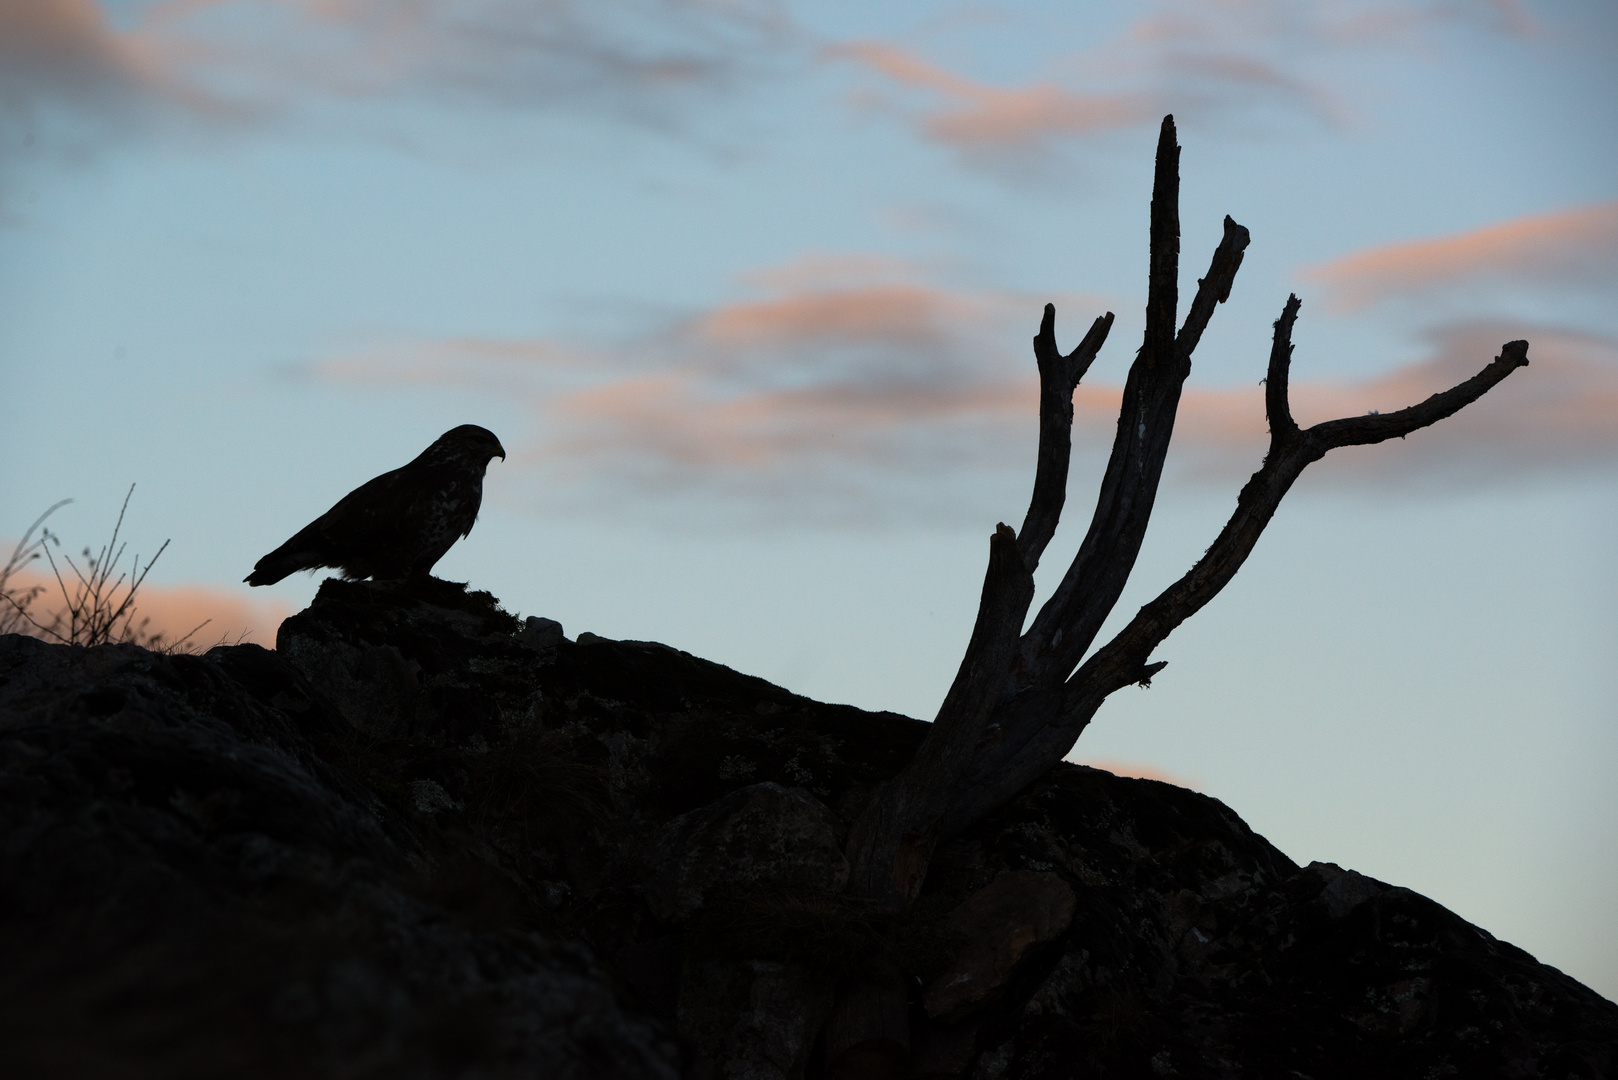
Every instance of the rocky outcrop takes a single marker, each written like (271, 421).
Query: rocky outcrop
(188, 887)
(423, 838)
(1197, 949)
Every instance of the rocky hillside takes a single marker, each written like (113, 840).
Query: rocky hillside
(422, 839)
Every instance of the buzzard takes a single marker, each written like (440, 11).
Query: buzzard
(399, 524)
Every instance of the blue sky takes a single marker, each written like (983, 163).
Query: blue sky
(747, 289)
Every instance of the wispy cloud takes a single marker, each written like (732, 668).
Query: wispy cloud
(68, 74)
(1557, 416)
(848, 379)
(65, 69)
(1200, 60)
(1575, 248)
(888, 399)
(651, 60)
(1330, 23)
(66, 47)
(611, 53)
(976, 115)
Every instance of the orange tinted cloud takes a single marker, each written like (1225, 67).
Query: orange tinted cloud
(674, 428)
(895, 312)
(827, 318)
(671, 420)
(910, 314)
(1559, 415)
(64, 52)
(813, 378)
(827, 270)
(1194, 59)
(844, 388)
(210, 615)
(839, 369)
(1142, 772)
(229, 617)
(1577, 246)
(980, 115)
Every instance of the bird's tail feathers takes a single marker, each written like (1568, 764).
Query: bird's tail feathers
(279, 563)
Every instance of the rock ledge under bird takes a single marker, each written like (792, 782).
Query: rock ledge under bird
(399, 524)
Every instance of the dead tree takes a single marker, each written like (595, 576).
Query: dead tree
(1021, 699)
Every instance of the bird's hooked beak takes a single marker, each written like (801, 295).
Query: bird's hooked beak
(500, 450)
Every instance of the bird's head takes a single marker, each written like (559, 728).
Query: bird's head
(471, 441)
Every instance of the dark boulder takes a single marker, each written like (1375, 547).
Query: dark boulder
(762, 837)
(1001, 926)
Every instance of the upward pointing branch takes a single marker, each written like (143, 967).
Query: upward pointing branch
(890, 844)
(1071, 618)
(1058, 377)
(1163, 274)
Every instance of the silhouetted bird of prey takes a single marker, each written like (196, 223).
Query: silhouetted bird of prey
(399, 524)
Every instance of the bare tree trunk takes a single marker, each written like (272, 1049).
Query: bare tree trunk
(1020, 700)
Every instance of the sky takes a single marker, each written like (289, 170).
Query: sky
(746, 288)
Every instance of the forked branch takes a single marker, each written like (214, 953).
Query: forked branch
(1035, 731)
(1291, 451)
(1000, 728)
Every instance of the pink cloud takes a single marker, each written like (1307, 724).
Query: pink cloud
(1577, 246)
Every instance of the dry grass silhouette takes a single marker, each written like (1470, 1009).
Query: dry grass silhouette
(98, 599)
